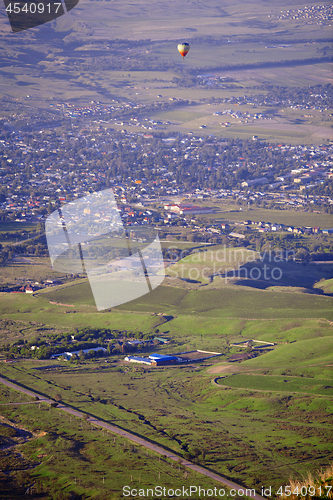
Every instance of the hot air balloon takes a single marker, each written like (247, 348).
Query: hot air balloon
(183, 49)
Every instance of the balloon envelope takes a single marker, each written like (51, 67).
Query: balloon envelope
(183, 49)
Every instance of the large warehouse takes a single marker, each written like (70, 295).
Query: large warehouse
(155, 359)
(164, 359)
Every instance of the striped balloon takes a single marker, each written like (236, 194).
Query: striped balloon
(183, 49)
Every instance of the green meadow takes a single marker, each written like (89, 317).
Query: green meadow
(269, 420)
(100, 464)
(287, 217)
(266, 420)
(280, 384)
(326, 286)
(237, 302)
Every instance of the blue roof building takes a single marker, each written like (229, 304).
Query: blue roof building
(138, 359)
(155, 359)
(163, 359)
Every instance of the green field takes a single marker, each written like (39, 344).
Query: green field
(280, 384)
(287, 217)
(16, 226)
(219, 267)
(270, 429)
(257, 430)
(35, 268)
(198, 267)
(237, 302)
(101, 464)
(292, 217)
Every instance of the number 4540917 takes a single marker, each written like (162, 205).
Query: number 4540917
(303, 491)
(33, 8)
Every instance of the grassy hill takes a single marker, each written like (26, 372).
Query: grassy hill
(268, 419)
(237, 302)
(325, 285)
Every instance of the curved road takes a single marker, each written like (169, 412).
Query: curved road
(141, 441)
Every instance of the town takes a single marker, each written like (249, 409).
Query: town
(178, 183)
(40, 170)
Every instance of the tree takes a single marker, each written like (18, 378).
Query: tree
(303, 255)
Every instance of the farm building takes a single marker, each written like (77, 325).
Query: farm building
(171, 359)
(68, 355)
(162, 340)
(164, 359)
(155, 359)
(138, 359)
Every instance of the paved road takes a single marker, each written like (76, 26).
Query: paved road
(25, 391)
(138, 440)
(20, 403)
